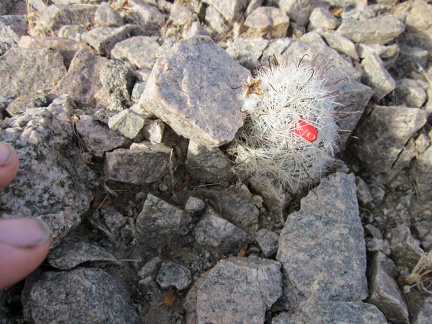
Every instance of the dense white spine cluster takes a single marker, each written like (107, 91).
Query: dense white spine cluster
(284, 102)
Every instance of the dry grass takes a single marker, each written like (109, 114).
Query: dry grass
(421, 276)
(35, 25)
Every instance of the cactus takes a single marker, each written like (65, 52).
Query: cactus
(290, 132)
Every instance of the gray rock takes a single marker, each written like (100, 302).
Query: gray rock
(410, 58)
(375, 241)
(322, 19)
(97, 138)
(421, 174)
(174, 274)
(275, 47)
(54, 183)
(138, 90)
(424, 230)
(231, 10)
(212, 230)
(72, 32)
(194, 107)
(6, 5)
(384, 134)
(328, 312)
(72, 252)
(103, 39)
(384, 291)
(194, 205)
(405, 250)
(127, 123)
(77, 296)
(424, 315)
(376, 76)
(160, 222)
(409, 93)
(26, 71)
(323, 244)
(141, 51)
(82, 81)
(56, 16)
(146, 16)
(12, 27)
(117, 80)
(107, 16)
(25, 101)
(153, 159)
(364, 195)
(112, 219)
(298, 10)
(247, 51)
(180, 21)
(208, 165)
(379, 30)
(418, 26)
(266, 22)
(154, 130)
(341, 44)
(219, 295)
(268, 242)
(149, 269)
(216, 25)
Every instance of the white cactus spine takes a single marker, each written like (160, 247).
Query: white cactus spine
(278, 101)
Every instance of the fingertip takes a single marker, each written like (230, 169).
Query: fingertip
(9, 164)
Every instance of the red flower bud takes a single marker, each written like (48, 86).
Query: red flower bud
(306, 131)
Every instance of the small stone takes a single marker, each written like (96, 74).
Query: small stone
(409, 93)
(421, 172)
(298, 10)
(113, 220)
(138, 90)
(341, 44)
(141, 51)
(322, 19)
(173, 274)
(231, 10)
(127, 123)
(215, 22)
(424, 230)
(363, 193)
(148, 17)
(424, 314)
(266, 22)
(117, 79)
(23, 102)
(247, 51)
(194, 205)
(12, 27)
(154, 130)
(405, 250)
(149, 269)
(107, 16)
(418, 26)
(410, 58)
(268, 242)
(377, 77)
(56, 16)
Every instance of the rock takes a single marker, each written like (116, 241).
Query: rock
(154, 130)
(275, 47)
(209, 165)
(376, 242)
(174, 274)
(98, 138)
(331, 311)
(418, 26)
(141, 51)
(212, 230)
(107, 16)
(180, 22)
(80, 295)
(341, 44)
(410, 58)
(112, 219)
(247, 51)
(384, 134)
(424, 315)
(268, 242)
(322, 19)
(323, 244)
(138, 90)
(266, 22)
(159, 223)
(148, 17)
(194, 205)
(364, 195)
(149, 269)
(26, 71)
(298, 11)
(54, 183)
(215, 22)
(56, 16)
(424, 230)
(6, 5)
(377, 77)
(72, 252)
(405, 250)
(103, 39)
(219, 296)
(12, 28)
(194, 107)
(409, 93)
(154, 159)
(127, 123)
(379, 30)
(117, 80)
(82, 81)
(384, 291)
(25, 101)
(230, 10)
(72, 32)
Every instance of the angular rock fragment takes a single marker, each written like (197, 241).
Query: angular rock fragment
(405, 250)
(173, 274)
(192, 89)
(379, 30)
(127, 123)
(266, 22)
(424, 315)
(25, 71)
(141, 51)
(12, 27)
(142, 163)
(384, 291)
(146, 16)
(418, 26)
(107, 16)
(384, 134)
(236, 290)
(323, 245)
(268, 242)
(77, 296)
(231, 10)
(298, 10)
(322, 19)
(409, 93)
(341, 44)
(56, 16)
(247, 51)
(194, 205)
(212, 230)
(421, 171)
(23, 102)
(376, 76)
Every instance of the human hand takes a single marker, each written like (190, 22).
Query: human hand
(24, 242)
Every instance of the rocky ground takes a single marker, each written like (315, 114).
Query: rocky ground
(121, 114)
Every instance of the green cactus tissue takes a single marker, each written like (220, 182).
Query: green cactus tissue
(290, 133)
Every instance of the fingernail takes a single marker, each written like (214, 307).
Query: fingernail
(6, 154)
(24, 232)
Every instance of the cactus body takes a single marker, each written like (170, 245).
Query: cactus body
(290, 132)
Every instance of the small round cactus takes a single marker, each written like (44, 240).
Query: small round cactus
(290, 133)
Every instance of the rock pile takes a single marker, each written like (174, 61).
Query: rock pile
(121, 112)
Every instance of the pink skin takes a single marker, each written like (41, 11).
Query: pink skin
(24, 242)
